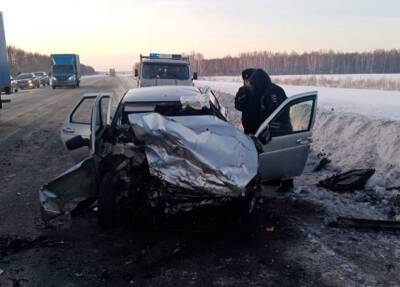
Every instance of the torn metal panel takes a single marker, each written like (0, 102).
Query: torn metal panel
(130, 151)
(64, 193)
(200, 153)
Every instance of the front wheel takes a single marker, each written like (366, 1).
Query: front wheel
(7, 90)
(108, 201)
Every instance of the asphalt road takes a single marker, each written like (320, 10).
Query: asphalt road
(292, 247)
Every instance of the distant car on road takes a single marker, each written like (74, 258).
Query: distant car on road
(27, 81)
(43, 78)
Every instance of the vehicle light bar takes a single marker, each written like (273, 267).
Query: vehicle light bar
(165, 56)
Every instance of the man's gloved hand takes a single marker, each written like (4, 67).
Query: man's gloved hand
(242, 99)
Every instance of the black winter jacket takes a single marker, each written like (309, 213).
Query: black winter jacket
(249, 105)
(272, 98)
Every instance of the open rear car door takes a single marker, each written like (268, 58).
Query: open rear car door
(288, 133)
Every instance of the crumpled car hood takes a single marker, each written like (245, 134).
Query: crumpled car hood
(201, 153)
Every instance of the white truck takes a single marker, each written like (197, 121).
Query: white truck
(164, 70)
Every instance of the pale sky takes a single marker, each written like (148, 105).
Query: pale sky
(109, 33)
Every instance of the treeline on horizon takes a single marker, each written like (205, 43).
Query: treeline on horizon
(24, 62)
(317, 62)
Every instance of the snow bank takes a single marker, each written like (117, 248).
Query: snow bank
(355, 141)
(350, 140)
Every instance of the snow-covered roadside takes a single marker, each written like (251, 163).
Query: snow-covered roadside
(350, 138)
(356, 141)
(100, 75)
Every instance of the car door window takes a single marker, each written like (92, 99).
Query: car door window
(98, 120)
(294, 118)
(104, 110)
(102, 113)
(82, 112)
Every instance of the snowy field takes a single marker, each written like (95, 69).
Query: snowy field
(372, 103)
(354, 128)
(395, 77)
(390, 82)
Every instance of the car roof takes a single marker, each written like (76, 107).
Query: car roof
(32, 74)
(160, 94)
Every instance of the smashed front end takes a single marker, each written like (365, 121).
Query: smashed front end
(170, 163)
(202, 159)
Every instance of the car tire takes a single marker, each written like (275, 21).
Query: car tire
(107, 201)
(54, 87)
(250, 211)
(7, 90)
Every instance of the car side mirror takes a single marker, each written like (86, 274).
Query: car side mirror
(265, 136)
(195, 76)
(136, 73)
(76, 142)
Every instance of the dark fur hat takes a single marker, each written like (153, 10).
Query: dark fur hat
(246, 74)
(260, 80)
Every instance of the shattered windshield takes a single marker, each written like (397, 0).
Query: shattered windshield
(165, 71)
(172, 109)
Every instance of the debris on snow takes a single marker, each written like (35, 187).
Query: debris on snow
(322, 164)
(348, 181)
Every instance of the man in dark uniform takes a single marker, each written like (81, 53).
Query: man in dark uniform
(271, 96)
(248, 104)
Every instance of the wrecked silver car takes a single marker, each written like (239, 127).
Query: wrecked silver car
(171, 149)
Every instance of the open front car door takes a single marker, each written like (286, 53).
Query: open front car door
(78, 121)
(79, 183)
(287, 137)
